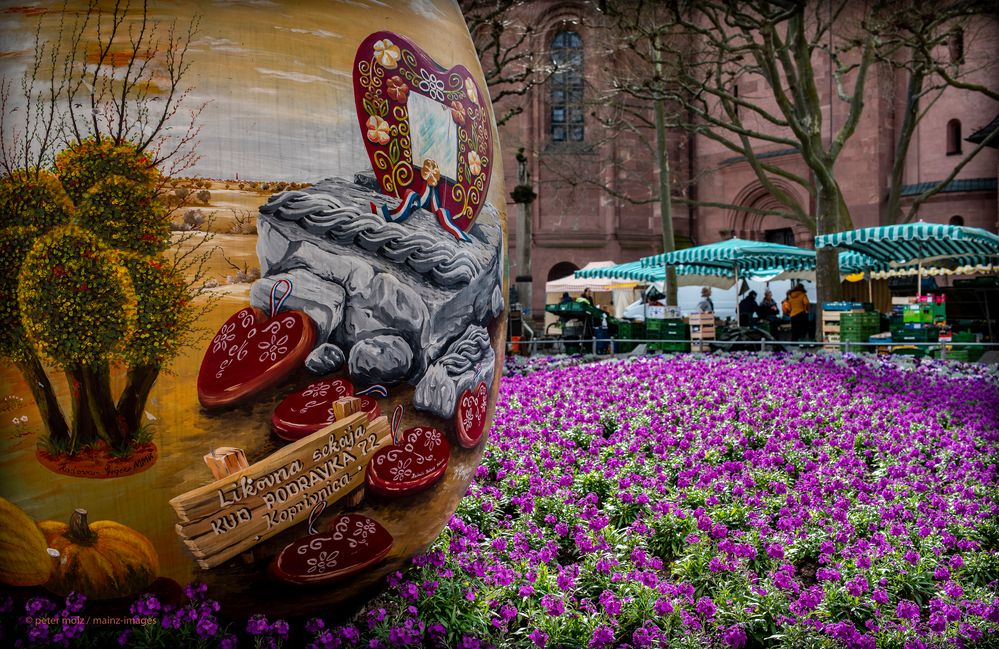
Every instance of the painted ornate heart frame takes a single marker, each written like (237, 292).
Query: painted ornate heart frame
(388, 71)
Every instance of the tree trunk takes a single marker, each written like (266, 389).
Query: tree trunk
(97, 387)
(84, 432)
(665, 199)
(893, 206)
(132, 402)
(48, 406)
(831, 216)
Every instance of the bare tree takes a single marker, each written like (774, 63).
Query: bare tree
(512, 64)
(927, 44)
(720, 45)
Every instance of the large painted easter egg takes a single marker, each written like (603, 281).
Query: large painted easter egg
(284, 222)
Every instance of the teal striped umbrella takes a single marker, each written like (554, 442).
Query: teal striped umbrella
(911, 243)
(917, 243)
(738, 255)
(687, 274)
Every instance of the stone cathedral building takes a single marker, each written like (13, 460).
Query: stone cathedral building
(590, 180)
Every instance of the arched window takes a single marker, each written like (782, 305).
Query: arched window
(562, 269)
(957, 219)
(566, 116)
(954, 137)
(955, 46)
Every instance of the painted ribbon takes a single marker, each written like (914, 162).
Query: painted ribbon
(276, 305)
(376, 390)
(396, 421)
(430, 199)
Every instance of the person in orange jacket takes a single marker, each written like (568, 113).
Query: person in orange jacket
(797, 308)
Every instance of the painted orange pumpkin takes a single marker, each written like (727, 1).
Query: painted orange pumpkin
(24, 559)
(102, 560)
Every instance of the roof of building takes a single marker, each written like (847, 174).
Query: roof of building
(765, 154)
(959, 185)
(984, 132)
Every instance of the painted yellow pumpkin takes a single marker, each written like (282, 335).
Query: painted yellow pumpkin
(24, 558)
(102, 560)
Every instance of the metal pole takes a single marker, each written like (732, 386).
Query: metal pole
(919, 273)
(735, 267)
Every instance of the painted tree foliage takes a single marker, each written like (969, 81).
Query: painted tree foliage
(87, 281)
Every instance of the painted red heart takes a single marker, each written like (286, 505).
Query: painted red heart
(352, 543)
(470, 415)
(305, 411)
(426, 129)
(251, 352)
(415, 463)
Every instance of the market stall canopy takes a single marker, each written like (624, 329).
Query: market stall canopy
(739, 255)
(915, 243)
(571, 284)
(687, 274)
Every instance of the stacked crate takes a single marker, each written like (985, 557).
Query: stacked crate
(961, 350)
(673, 334)
(668, 334)
(832, 314)
(857, 327)
(918, 326)
(628, 331)
(702, 328)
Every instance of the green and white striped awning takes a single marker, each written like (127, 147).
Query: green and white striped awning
(634, 270)
(902, 245)
(738, 254)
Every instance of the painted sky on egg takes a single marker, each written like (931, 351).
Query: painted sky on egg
(274, 77)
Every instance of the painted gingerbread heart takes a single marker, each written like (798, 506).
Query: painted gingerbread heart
(426, 129)
(470, 415)
(352, 543)
(415, 463)
(251, 352)
(305, 411)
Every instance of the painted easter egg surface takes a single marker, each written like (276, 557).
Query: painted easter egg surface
(343, 248)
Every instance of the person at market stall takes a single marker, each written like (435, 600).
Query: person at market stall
(768, 309)
(566, 298)
(586, 297)
(747, 309)
(797, 301)
(706, 305)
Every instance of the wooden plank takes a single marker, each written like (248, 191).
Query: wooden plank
(228, 516)
(207, 561)
(201, 502)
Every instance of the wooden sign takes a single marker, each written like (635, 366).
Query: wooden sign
(220, 520)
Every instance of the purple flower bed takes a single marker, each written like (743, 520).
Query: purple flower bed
(723, 501)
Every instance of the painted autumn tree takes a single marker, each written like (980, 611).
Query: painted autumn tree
(86, 281)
